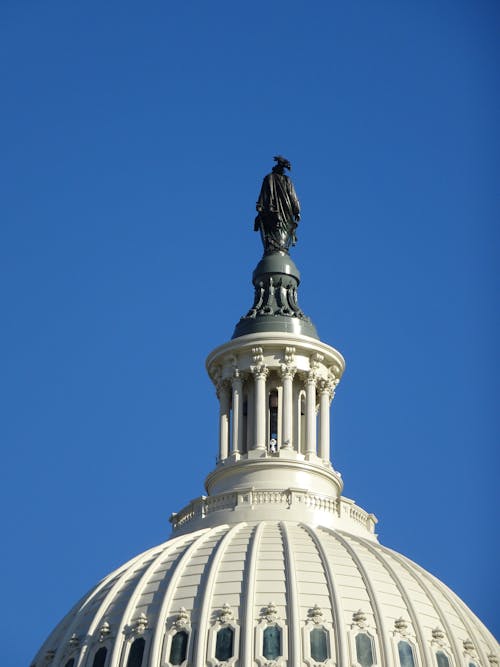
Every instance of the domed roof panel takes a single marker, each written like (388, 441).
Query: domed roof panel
(248, 576)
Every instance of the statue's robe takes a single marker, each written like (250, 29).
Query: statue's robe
(279, 211)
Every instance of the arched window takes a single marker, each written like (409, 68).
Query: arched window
(319, 644)
(224, 644)
(364, 650)
(70, 663)
(472, 664)
(273, 415)
(100, 657)
(271, 642)
(178, 648)
(136, 653)
(405, 651)
(301, 435)
(442, 659)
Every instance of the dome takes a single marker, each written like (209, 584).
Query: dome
(323, 591)
(274, 567)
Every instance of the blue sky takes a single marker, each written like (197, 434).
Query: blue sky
(134, 139)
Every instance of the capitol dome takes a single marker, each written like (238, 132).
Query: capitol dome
(274, 567)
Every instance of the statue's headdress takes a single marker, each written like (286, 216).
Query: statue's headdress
(282, 161)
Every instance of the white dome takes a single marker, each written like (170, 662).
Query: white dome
(274, 567)
(281, 574)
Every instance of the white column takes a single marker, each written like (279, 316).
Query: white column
(287, 373)
(311, 414)
(260, 374)
(250, 415)
(223, 394)
(237, 425)
(325, 389)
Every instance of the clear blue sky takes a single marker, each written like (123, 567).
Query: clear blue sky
(134, 137)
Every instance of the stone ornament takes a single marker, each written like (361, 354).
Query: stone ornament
(182, 620)
(270, 613)
(359, 618)
(49, 656)
(316, 614)
(437, 634)
(139, 626)
(401, 625)
(226, 614)
(104, 631)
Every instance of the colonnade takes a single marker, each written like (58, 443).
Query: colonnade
(244, 414)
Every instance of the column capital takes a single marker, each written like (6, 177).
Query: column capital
(311, 377)
(287, 370)
(222, 387)
(261, 371)
(237, 376)
(327, 386)
(335, 373)
(259, 368)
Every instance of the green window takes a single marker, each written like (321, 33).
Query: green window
(100, 657)
(364, 650)
(442, 659)
(178, 649)
(319, 644)
(405, 651)
(272, 642)
(224, 644)
(136, 653)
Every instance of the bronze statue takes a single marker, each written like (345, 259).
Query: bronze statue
(278, 209)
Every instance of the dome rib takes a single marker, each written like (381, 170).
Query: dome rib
(206, 591)
(109, 597)
(247, 609)
(292, 597)
(76, 620)
(419, 632)
(157, 640)
(145, 577)
(464, 614)
(386, 653)
(339, 616)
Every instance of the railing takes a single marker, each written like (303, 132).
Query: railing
(343, 508)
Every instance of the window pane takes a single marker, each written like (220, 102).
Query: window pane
(178, 649)
(442, 659)
(224, 644)
(100, 658)
(319, 646)
(405, 655)
(364, 651)
(70, 663)
(136, 653)
(272, 642)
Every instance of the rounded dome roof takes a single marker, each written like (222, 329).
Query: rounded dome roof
(251, 575)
